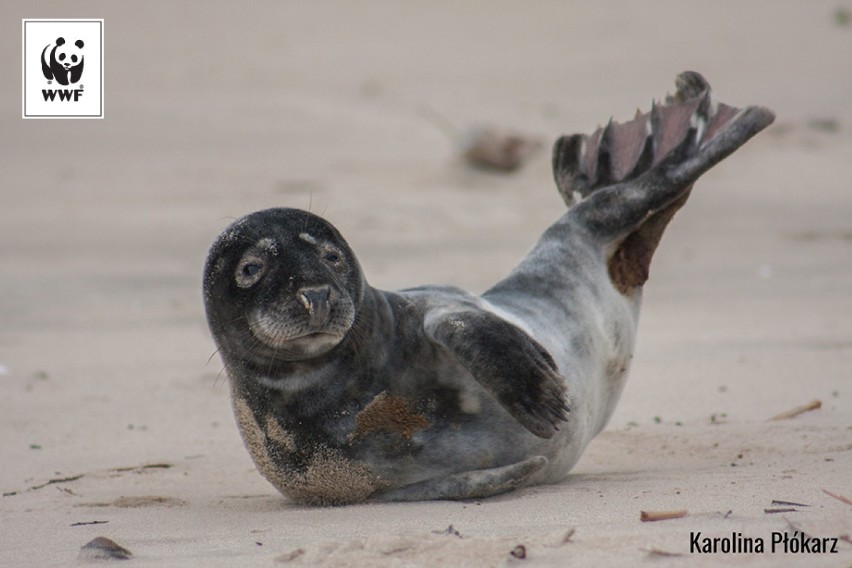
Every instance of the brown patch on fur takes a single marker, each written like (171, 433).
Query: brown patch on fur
(388, 414)
(630, 264)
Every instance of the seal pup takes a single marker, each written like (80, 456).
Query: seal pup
(343, 392)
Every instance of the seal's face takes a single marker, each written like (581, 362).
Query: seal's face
(280, 285)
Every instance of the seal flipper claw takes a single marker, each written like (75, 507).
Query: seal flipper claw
(469, 484)
(515, 368)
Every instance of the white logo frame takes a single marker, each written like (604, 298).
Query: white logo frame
(45, 98)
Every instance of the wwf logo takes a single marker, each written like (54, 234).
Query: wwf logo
(54, 56)
(63, 62)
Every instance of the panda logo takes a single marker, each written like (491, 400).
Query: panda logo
(64, 62)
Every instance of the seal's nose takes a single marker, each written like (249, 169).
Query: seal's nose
(316, 301)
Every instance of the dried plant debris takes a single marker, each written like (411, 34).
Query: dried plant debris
(141, 468)
(55, 480)
(46, 483)
(102, 548)
(659, 553)
(137, 501)
(788, 503)
(812, 405)
(495, 149)
(290, 556)
(68, 479)
(840, 498)
(720, 418)
(450, 530)
(779, 506)
(650, 516)
(569, 534)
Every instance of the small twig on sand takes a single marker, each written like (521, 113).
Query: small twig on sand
(290, 556)
(659, 552)
(812, 405)
(450, 530)
(840, 498)
(784, 510)
(648, 516)
(138, 468)
(56, 480)
(788, 503)
(566, 538)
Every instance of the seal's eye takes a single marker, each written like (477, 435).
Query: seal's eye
(249, 271)
(331, 256)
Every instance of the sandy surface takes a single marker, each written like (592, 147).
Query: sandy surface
(215, 111)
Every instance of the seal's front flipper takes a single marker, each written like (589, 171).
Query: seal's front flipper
(628, 180)
(468, 485)
(515, 368)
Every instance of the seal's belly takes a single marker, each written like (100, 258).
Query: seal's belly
(407, 446)
(395, 439)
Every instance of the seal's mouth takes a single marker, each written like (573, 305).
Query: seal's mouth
(290, 331)
(317, 336)
(300, 347)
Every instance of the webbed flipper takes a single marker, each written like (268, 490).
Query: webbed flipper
(469, 484)
(626, 181)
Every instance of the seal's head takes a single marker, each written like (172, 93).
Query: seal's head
(280, 285)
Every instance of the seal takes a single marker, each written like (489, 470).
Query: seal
(343, 392)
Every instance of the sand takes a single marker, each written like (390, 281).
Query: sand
(113, 409)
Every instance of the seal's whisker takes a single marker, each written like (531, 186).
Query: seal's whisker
(212, 355)
(219, 376)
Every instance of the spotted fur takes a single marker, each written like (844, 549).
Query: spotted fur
(344, 392)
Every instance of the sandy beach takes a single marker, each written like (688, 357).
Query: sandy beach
(115, 417)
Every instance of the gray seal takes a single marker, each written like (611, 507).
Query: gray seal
(343, 392)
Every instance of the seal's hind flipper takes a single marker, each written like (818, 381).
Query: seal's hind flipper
(469, 484)
(621, 152)
(626, 181)
(510, 364)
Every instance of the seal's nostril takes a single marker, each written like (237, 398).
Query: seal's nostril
(316, 300)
